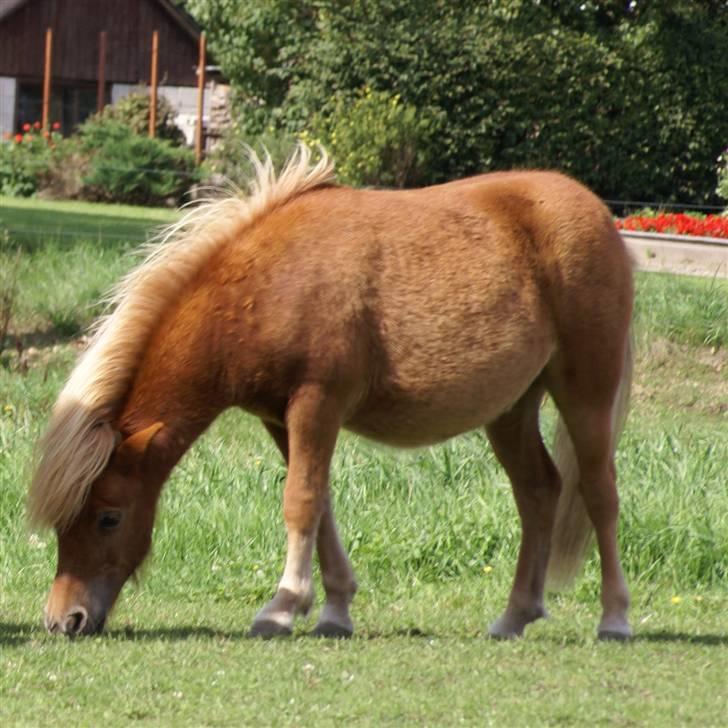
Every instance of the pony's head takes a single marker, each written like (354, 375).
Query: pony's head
(106, 541)
(98, 490)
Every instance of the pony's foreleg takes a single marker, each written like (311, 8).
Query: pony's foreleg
(312, 422)
(517, 443)
(336, 572)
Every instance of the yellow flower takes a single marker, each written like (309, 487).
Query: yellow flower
(676, 600)
(487, 569)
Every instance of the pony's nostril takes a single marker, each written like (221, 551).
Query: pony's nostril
(51, 625)
(76, 620)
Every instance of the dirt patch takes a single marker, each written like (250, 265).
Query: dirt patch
(39, 351)
(677, 376)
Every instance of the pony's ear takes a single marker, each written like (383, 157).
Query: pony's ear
(131, 451)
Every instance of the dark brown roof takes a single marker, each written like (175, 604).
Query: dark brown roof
(183, 19)
(7, 7)
(76, 26)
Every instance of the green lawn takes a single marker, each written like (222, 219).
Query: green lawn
(432, 533)
(33, 222)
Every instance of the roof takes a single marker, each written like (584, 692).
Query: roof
(9, 6)
(182, 18)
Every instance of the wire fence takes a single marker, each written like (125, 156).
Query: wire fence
(14, 234)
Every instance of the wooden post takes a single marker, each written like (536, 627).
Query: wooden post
(47, 78)
(200, 99)
(101, 76)
(153, 90)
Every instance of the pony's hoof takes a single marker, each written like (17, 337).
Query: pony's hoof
(267, 629)
(503, 636)
(613, 635)
(614, 629)
(502, 630)
(332, 631)
(511, 625)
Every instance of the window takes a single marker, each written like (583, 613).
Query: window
(71, 104)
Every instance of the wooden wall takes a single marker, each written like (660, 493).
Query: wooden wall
(76, 25)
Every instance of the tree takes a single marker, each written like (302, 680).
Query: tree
(621, 94)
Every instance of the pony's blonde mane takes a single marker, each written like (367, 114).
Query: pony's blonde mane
(79, 439)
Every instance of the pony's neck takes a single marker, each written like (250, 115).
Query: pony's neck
(177, 386)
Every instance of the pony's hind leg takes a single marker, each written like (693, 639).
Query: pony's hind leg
(517, 443)
(587, 401)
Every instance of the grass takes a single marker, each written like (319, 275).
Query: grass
(433, 536)
(33, 222)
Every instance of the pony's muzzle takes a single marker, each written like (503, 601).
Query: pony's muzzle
(75, 622)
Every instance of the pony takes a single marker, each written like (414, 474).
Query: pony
(406, 316)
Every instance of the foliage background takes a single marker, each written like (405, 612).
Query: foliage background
(625, 96)
(109, 158)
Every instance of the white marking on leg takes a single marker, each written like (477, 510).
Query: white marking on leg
(299, 558)
(295, 594)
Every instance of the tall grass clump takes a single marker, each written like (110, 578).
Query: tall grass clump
(674, 514)
(59, 287)
(691, 311)
(9, 273)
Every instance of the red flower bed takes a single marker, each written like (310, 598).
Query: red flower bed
(710, 226)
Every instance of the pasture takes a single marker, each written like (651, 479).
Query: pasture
(432, 533)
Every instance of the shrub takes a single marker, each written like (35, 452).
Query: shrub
(133, 111)
(62, 177)
(230, 161)
(722, 188)
(376, 139)
(23, 160)
(126, 167)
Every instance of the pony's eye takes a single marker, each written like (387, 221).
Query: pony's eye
(109, 520)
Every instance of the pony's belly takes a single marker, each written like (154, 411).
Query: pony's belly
(408, 419)
(437, 392)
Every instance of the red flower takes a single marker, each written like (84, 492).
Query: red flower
(56, 125)
(18, 138)
(26, 127)
(46, 135)
(36, 125)
(709, 225)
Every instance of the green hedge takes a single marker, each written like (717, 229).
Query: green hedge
(626, 96)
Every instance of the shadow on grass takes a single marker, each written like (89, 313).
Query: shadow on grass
(32, 349)
(15, 634)
(42, 338)
(174, 634)
(708, 640)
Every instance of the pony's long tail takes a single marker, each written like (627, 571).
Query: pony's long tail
(573, 528)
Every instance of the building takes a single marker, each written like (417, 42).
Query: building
(77, 26)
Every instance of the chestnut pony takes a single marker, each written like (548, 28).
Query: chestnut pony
(406, 316)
